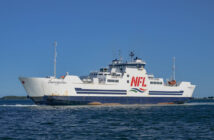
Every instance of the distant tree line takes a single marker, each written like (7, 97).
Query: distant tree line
(14, 98)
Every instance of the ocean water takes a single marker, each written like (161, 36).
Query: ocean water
(21, 119)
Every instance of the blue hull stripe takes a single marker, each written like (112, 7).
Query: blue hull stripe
(166, 92)
(84, 100)
(117, 93)
(80, 89)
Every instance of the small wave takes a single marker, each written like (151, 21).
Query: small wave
(17, 105)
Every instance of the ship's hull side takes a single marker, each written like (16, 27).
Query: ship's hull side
(90, 100)
(46, 91)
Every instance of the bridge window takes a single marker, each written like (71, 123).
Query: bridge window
(112, 80)
(158, 83)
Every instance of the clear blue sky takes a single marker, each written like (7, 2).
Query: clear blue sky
(90, 32)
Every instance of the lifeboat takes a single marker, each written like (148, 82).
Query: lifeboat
(172, 83)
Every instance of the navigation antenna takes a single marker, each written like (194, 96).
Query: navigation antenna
(131, 54)
(173, 69)
(119, 53)
(55, 54)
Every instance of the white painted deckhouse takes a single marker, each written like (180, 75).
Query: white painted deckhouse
(119, 83)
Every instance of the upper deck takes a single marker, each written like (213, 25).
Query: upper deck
(137, 63)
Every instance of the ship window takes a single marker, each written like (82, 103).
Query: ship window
(128, 75)
(112, 80)
(127, 81)
(159, 83)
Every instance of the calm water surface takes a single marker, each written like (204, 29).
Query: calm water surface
(23, 120)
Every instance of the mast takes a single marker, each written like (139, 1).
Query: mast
(173, 69)
(55, 54)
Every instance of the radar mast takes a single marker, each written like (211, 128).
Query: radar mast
(119, 54)
(131, 54)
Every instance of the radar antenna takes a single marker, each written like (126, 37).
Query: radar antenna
(131, 54)
(55, 54)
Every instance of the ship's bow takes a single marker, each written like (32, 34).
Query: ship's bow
(34, 89)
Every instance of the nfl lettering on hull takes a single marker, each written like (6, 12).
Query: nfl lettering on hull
(119, 83)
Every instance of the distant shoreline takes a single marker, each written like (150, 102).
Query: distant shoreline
(14, 98)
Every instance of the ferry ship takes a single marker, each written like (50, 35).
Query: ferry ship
(119, 83)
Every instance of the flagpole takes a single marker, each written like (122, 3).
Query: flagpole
(55, 53)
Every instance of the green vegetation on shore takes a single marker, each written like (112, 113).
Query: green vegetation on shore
(205, 98)
(14, 98)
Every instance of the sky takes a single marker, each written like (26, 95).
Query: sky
(91, 33)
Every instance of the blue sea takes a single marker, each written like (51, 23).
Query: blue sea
(21, 119)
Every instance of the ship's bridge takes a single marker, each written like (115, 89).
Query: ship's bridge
(136, 63)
